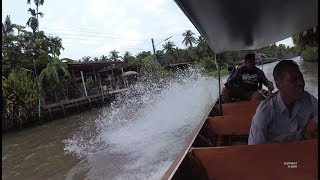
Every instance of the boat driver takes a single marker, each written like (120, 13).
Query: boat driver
(246, 82)
(290, 114)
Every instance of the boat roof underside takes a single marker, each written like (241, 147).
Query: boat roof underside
(249, 24)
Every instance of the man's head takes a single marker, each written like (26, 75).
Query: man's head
(289, 79)
(250, 60)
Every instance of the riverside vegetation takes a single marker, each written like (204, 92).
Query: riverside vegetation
(31, 67)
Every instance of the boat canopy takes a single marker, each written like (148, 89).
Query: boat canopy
(229, 25)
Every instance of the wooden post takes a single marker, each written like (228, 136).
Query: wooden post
(112, 73)
(64, 112)
(84, 85)
(94, 73)
(50, 113)
(101, 89)
(77, 106)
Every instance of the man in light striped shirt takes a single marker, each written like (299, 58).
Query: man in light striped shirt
(290, 114)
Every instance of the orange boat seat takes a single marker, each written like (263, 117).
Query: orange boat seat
(295, 160)
(237, 108)
(229, 125)
(241, 107)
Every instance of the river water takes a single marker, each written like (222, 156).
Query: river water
(137, 137)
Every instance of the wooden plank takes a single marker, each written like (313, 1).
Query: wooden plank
(240, 107)
(174, 166)
(230, 125)
(80, 99)
(265, 161)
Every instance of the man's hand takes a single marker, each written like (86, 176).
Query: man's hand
(311, 130)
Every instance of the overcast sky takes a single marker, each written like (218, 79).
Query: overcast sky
(96, 27)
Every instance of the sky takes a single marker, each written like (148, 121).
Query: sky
(96, 27)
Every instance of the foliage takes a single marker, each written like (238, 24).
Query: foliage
(150, 67)
(33, 21)
(207, 64)
(306, 38)
(310, 54)
(114, 55)
(104, 58)
(54, 77)
(127, 57)
(21, 50)
(189, 39)
(223, 72)
(20, 96)
(86, 59)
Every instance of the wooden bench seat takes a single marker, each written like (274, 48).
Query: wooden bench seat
(240, 107)
(228, 125)
(265, 161)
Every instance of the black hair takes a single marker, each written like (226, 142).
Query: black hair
(282, 67)
(250, 56)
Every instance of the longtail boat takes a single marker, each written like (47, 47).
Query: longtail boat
(244, 25)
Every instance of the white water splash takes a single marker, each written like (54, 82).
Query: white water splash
(142, 132)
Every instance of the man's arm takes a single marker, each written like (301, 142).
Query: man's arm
(258, 129)
(265, 81)
(234, 77)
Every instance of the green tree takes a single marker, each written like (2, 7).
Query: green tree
(55, 45)
(114, 55)
(203, 49)
(95, 59)
(11, 49)
(189, 38)
(306, 38)
(127, 57)
(19, 98)
(104, 58)
(170, 48)
(33, 21)
(143, 54)
(54, 76)
(86, 59)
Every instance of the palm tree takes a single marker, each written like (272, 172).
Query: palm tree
(33, 21)
(8, 27)
(169, 47)
(95, 59)
(203, 48)
(55, 75)
(127, 57)
(189, 39)
(86, 59)
(55, 45)
(7, 36)
(104, 58)
(114, 55)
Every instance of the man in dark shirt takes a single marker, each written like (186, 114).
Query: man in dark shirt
(246, 82)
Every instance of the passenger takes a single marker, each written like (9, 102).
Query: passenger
(244, 84)
(290, 114)
(231, 69)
